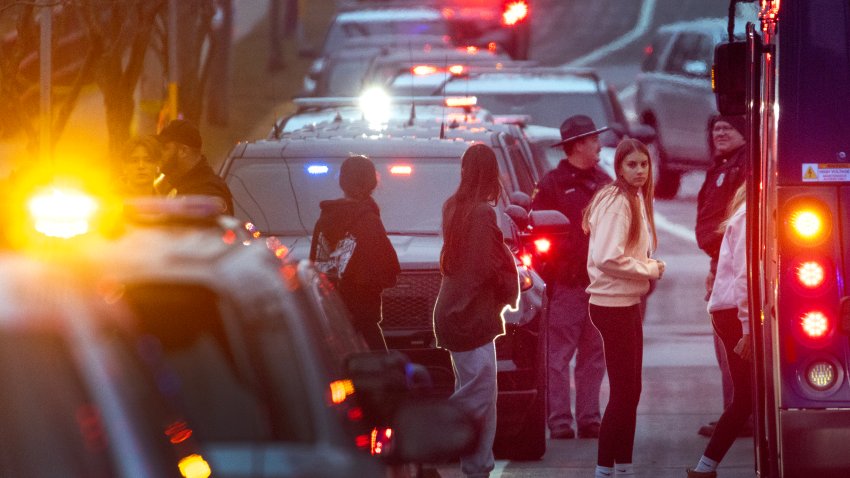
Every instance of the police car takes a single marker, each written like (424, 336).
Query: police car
(278, 184)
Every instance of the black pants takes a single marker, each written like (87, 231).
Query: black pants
(729, 329)
(622, 336)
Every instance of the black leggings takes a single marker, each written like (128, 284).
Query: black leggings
(622, 335)
(729, 329)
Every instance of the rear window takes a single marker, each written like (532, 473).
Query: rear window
(282, 197)
(654, 51)
(49, 423)
(341, 31)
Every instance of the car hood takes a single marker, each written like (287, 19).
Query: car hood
(415, 252)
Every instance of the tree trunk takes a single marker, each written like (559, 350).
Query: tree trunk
(218, 93)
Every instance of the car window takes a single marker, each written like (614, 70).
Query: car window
(345, 76)
(520, 166)
(686, 49)
(284, 197)
(654, 51)
(48, 420)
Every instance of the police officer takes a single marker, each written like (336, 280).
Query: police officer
(727, 147)
(569, 188)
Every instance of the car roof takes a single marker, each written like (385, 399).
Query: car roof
(713, 25)
(385, 41)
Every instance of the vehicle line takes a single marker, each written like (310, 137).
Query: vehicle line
(682, 232)
(643, 23)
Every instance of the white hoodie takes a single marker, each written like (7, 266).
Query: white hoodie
(730, 281)
(619, 275)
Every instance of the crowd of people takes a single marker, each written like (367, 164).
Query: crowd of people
(596, 280)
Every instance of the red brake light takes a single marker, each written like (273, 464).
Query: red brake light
(514, 12)
(457, 69)
(381, 440)
(647, 50)
(422, 70)
(543, 245)
(810, 274)
(461, 101)
(815, 324)
(526, 260)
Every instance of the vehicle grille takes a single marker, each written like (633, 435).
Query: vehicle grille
(410, 304)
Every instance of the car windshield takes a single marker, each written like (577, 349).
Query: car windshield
(282, 197)
(545, 109)
(342, 31)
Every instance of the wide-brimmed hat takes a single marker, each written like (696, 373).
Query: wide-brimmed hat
(577, 127)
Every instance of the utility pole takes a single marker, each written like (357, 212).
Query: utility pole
(45, 76)
(172, 59)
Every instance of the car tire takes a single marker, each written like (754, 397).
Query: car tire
(667, 182)
(529, 441)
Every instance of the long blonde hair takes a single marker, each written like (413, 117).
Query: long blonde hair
(621, 187)
(738, 199)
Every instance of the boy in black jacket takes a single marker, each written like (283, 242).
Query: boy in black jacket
(350, 245)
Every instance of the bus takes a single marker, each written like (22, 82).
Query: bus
(791, 78)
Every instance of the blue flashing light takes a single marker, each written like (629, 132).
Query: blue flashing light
(318, 169)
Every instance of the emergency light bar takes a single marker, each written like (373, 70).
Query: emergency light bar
(342, 101)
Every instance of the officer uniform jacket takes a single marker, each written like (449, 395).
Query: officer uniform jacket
(202, 180)
(569, 190)
(721, 181)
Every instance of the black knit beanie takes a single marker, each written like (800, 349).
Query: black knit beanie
(738, 122)
(357, 177)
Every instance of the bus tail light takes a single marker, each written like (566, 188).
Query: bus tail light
(821, 375)
(815, 324)
(810, 274)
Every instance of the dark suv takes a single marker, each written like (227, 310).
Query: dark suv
(277, 187)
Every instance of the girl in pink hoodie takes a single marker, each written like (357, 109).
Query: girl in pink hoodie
(620, 222)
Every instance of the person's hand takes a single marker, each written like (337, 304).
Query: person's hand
(744, 348)
(661, 267)
(709, 284)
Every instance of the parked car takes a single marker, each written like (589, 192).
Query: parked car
(76, 398)
(277, 187)
(674, 97)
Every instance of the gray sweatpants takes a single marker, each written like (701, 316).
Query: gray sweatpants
(476, 392)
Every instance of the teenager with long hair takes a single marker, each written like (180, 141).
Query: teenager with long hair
(620, 222)
(729, 309)
(479, 281)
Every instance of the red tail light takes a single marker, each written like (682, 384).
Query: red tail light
(514, 12)
(815, 324)
(542, 245)
(381, 440)
(810, 274)
(526, 260)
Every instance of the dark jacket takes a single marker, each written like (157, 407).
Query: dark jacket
(351, 247)
(473, 294)
(721, 181)
(201, 179)
(569, 190)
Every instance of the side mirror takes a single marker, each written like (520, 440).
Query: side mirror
(548, 222)
(645, 133)
(431, 432)
(729, 78)
(383, 380)
(521, 199)
(518, 215)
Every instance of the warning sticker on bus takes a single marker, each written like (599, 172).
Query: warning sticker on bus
(826, 172)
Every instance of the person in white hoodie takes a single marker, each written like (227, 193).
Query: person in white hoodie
(620, 222)
(729, 309)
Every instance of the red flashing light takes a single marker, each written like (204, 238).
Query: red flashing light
(178, 432)
(526, 260)
(461, 101)
(514, 12)
(647, 50)
(814, 324)
(401, 170)
(542, 245)
(422, 70)
(457, 69)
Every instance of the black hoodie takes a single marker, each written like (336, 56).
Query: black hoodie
(350, 245)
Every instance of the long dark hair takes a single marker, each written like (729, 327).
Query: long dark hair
(621, 187)
(479, 182)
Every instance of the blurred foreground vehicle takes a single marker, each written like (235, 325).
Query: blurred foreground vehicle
(279, 184)
(77, 399)
(256, 356)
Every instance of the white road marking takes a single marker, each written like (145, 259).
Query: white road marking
(643, 23)
(682, 232)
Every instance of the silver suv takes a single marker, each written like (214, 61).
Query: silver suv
(674, 96)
